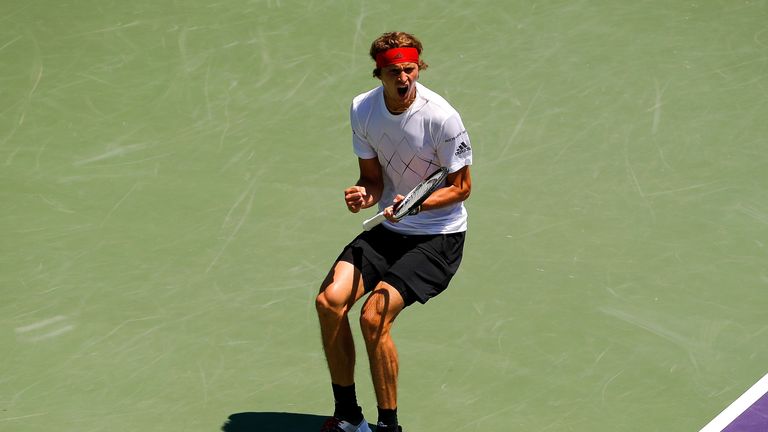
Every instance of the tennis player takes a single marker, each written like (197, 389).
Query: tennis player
(402, 132)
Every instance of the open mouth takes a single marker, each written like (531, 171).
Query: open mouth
(402, 90)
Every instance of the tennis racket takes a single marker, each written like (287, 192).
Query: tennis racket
(412, 201)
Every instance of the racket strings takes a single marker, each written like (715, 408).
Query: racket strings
(410, 200)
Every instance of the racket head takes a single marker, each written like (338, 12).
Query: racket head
(420, 193)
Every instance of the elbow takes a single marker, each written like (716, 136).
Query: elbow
(465, 193)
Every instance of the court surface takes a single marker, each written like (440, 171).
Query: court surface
(171, 179)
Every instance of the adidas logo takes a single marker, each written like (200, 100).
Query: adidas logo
(398, 56)
(463, 148)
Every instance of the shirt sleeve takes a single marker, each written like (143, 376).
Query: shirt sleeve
(362, 148)
(454, 149)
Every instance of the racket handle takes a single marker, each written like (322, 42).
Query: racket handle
(372, 222)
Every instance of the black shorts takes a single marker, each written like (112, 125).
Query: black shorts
(418, 266)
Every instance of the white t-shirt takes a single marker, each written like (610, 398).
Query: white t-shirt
(409, 147)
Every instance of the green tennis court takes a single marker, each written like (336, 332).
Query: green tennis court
(171, 178)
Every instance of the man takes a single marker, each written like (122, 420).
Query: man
(402, 132)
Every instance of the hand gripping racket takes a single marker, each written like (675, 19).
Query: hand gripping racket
(412, 201)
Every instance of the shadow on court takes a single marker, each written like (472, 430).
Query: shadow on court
(273, 422)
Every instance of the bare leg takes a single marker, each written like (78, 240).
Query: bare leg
(378, 315)
(341, 289)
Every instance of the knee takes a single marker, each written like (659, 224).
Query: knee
(372, 322)
(328, 306)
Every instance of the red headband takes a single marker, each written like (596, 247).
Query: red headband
(397, 55)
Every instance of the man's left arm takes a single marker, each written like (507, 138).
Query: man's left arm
(454, 152)
(458, 186)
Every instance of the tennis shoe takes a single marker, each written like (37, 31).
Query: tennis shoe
(335, 424)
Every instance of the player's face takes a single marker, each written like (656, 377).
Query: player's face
(400, 81)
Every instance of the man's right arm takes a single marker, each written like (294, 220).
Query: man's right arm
(367, 191)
